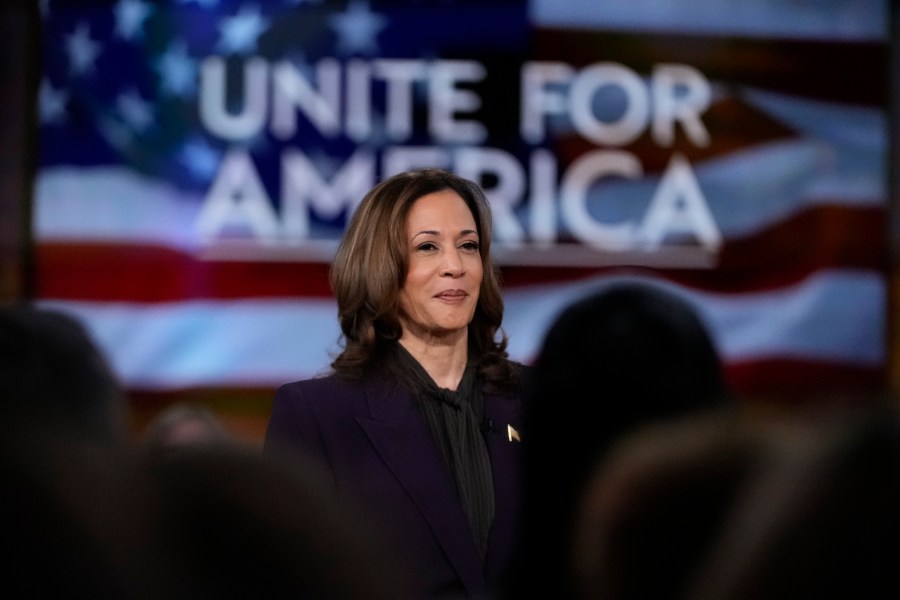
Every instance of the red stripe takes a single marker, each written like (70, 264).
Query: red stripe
(806, 382)
(144, 273)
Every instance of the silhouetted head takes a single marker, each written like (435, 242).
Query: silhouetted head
(622, 357)
(54, 379)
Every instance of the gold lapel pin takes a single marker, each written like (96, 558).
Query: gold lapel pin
(512, 433)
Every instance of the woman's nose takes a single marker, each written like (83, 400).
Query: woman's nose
(453, 265)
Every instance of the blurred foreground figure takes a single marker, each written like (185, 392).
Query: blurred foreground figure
(821, 526)
(213, 522)
(627, 355)
(54, 380)
(746, 509)
(250, 526)
(77, 515)
(181, 426)
(86, 514)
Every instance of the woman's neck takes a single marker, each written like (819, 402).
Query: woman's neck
(444, 360)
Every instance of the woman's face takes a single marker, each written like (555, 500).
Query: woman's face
(443, 282)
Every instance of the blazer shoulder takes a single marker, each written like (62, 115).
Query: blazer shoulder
(322, 387)
(316, 381)
(302, 408)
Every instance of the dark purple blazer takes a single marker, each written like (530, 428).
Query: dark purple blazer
(375, 444)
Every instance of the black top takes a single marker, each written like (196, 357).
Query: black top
(454, 419)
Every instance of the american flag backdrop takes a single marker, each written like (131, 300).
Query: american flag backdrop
(199, 159)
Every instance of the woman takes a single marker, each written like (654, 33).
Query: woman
(418, 419)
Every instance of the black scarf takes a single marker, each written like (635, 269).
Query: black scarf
(454, 419)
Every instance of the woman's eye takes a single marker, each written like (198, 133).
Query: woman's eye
(470, 245)
(426, 246)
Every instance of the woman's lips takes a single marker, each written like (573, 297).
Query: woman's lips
(452, 295)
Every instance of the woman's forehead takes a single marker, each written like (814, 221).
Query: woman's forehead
(443, 211)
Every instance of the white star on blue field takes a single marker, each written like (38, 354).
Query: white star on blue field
(82, 50)
(358, 28)
(51, 103)
(178, 71)
(130, 17)
(239, 33)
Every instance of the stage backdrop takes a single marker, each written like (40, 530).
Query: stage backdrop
(199, 160)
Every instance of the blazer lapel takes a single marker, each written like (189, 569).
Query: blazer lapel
(401, 437)
(503, 413)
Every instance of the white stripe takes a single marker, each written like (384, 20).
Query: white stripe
(212, 343)
(112, 204)
(835, 315)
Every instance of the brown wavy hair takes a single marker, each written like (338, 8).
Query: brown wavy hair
(370, 267)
